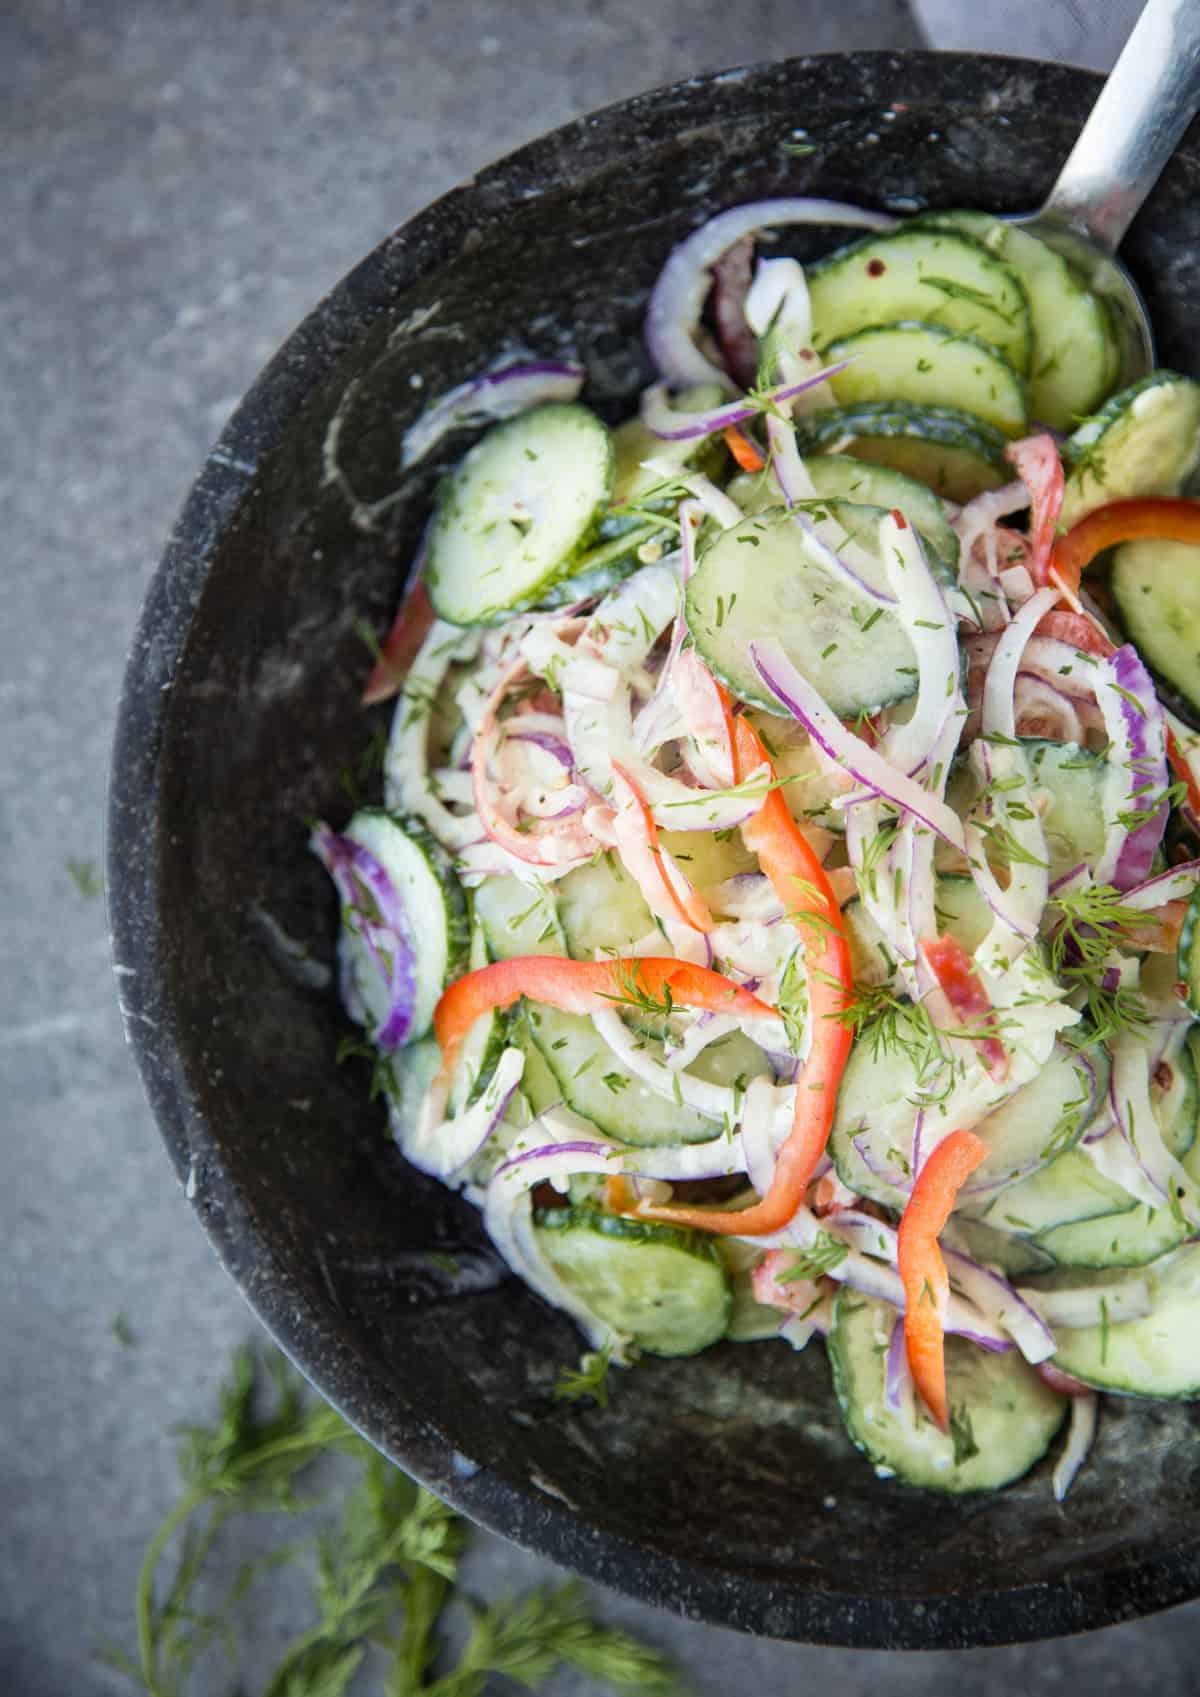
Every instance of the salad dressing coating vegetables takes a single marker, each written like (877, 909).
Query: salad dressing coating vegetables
(783, 918)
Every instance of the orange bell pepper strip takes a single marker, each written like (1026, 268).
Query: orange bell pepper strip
(667, 896)
(926, 1283)
(799, 880)
(579, 986)
(1161, 517)
(399, 647)
(744, 451)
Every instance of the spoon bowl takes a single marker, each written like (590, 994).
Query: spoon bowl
(1131, 132)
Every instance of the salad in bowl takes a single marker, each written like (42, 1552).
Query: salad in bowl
(782, 917)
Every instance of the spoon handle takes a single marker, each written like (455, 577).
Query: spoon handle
(1132, 130)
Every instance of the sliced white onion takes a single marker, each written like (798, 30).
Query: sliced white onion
(865, 764)
(714, 501)
(1137, 1123)
(1137, 762)
(1176, 885)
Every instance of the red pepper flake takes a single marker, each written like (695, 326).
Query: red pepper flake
(875, 268)
(899, 519)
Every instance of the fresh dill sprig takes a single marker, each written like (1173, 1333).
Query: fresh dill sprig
(634, 990)
(822, 1255)
(589, 1379)
(1095, 922)
(385, 1570)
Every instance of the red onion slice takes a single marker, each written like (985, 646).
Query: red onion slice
(672, 425)
(1173, 886)
(677, 299)
(865, 765)
(1139, 775)
(1085, 1406)
(378, 919)
(497, 394)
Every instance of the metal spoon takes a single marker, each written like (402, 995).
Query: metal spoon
(1148, 101)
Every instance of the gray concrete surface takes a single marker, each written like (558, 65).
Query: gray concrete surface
(180, 183)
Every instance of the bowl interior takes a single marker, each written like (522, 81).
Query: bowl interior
(723, 1486)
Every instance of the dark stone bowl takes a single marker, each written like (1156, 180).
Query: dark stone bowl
(723, 1486)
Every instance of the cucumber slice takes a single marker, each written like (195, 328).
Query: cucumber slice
(1068, 783)
(1156, 589)
(750, 1321)
(1189, 954)
(961, 911)
(875, 1120)
(599, 569)
(539, 1086)
(664, 1288)
(1067, 1191)
(937, 277)
(954, 453)
(1145, 441)
(928, 365)
(765, 574)
(1076, 358)
(517, 513)
(431, 895)
(601, 908)
(708, 858)
(842, 475)
(1156, 1356)
(518, 920)
(1002, 1416)
(592, 1081)
(1132, 1238)
(1015, 1257)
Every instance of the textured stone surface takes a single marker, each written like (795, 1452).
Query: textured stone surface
(181, 184)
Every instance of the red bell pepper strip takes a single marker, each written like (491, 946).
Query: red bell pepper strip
(579, 986)
(399, 648)
(926, 1284)
(962, 987)
(744, 451)
(1039, 467)
(668, 893)
(1183, 771)
(1161, 517)
(799, 881)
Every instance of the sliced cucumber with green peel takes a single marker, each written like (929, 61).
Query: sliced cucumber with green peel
(601, 909)
(871, 1141)
(766, 575)
(938, 277)
(842, 475)
(602, 567)
(1156, 589)
(961, 910)
(538, 1084)
(517, 513)
(1015, 1257)
(708, 858)
(1156, 1356)
(1002, 1415)
(432, 899)
(1076, 358)
(928, 365)
(955, 454)
(664, 1288)
(1068, 784)
(518, 920)
(1132, 1238)
(1189, 954)
(595, 1084)
(1144, 441)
